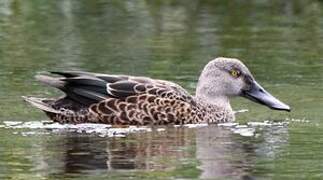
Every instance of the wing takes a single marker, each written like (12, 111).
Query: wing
(89, 88)
(120, 99)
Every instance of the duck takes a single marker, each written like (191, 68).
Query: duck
(135, 100)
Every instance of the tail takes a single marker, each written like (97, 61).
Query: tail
(41, 103)
(50, 81)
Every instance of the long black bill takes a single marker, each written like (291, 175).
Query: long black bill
(258, 94)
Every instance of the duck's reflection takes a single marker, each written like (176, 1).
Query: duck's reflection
(143, 151)
(83, 154)
(224, 154)
(147, 152)
(220, 152)
(220, 155)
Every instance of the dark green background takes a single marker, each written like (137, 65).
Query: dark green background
(280, 41)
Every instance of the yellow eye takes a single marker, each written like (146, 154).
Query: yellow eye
(235, 73)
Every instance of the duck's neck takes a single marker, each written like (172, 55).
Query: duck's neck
(212, 95)
(217, 109)
(219, 101)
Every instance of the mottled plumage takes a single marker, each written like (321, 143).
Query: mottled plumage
(132, 100)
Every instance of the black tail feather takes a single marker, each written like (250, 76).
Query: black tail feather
(78, 86)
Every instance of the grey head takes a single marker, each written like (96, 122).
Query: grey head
(223, 78)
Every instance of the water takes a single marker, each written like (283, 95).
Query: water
(280, 41)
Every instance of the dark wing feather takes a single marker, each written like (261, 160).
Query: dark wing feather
(95, 96)
(120, 99)
(105, 77)
(88, 88)
(86, 81)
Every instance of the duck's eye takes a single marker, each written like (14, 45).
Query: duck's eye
(235, 73)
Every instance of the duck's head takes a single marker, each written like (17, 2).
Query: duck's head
(223, 78)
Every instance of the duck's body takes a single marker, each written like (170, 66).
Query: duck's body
(131, 100)
(124, 100)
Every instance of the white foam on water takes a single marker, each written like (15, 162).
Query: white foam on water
(265, 123)
(161, 129)
(304, 120)
(228, 124)
(102, 130)
(245, 131)
(192, 125)
(249, 129)
(12, 123)
(241, 126)
(195, 125)
(105, 130)
(241, 111)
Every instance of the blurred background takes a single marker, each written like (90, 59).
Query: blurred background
(280, 42)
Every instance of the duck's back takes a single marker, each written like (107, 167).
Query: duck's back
(117, 99)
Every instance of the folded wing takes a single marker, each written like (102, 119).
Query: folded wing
(88, 88)
(120, 99)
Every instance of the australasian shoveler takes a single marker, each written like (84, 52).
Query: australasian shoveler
(133, 100)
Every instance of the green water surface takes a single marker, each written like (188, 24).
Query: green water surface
(280, 41)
